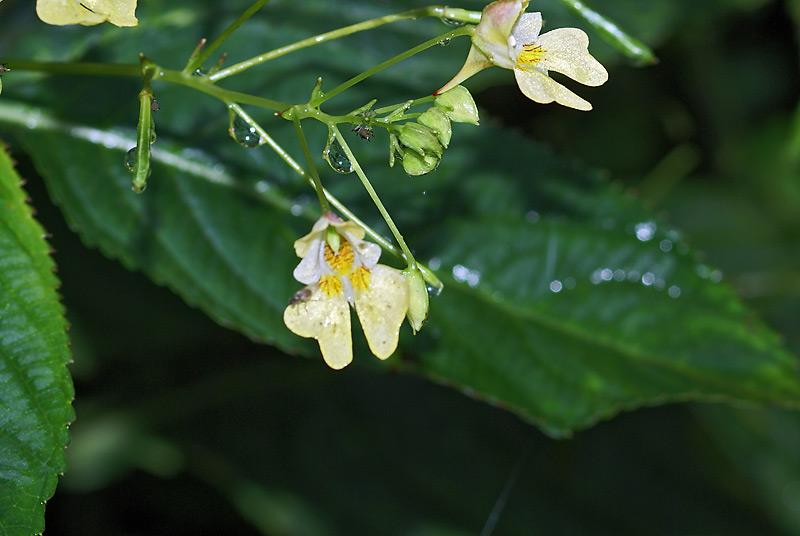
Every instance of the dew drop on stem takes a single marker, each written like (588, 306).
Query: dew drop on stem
(244, 134)
(334, 155)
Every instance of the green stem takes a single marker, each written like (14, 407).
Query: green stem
(467, 30)
(196, 61)
(101, 69)
(202, 83)
(315, 181)
(442, 12)
(409, 258)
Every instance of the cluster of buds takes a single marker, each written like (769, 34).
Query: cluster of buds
(420, 144)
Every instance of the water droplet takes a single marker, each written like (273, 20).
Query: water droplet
(531, 216)
(434, 291)
(606, 274)
(152, 131)
(244, 134)
(674, 291)
(619, 275)
(296, 210)
(648, 279)
(198, 72)
(335, 156)
(645, 230)
(262, 186)
(130, 160)
(435, 263)
(659, 284)
(633, 276)
(665, 245)
(555, 285)
(569, 283)
(715, 276)
(444, 42)
(452, 22)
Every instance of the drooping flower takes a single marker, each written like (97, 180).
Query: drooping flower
(341, 270)
(87, 12)
(509, 38)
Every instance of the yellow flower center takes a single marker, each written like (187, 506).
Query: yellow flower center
(360, 278)
(340, 261)
(529, 55)
(330, 285)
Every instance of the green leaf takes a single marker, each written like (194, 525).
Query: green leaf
(566, 301)
(35, 387)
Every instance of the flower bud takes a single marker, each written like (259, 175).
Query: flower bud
(458, 105)
(416, 164)
(420, 138)
(418, 299)
(435, 119)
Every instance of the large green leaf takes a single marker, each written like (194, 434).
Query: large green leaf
(566, 301)
(35, 387)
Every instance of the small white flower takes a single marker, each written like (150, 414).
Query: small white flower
(509, 38)
(340, 270)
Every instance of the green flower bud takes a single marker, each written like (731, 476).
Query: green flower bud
(420, 138)
(418, 299)
(458, 105)
(416, 164)
(394, 149)
(435, 119)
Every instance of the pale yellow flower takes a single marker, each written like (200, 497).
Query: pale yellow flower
(509, 38)
(87, 12)
(341, 270)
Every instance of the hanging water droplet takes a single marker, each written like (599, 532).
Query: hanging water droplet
(152, 131)
(444, 42)
(434, 291)
(198, 72)
(130, 160)
(244, 134)
(335, 156)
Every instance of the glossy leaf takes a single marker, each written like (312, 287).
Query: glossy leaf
(35, 387)
(566, 301)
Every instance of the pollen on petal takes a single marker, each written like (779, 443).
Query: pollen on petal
(529, 56)
(330, 285)
(360, 278)
(340, 261)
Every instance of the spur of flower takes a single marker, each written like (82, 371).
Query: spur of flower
(509, 38)
(341, 270)
(87, 12)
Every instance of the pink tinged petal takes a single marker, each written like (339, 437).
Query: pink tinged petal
(310, 268)
(498, 20)
(476, 62)
(325, 319)
(381, 309)
(541, 88)
(567, 52)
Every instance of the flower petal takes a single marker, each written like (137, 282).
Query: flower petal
(87, 12)
(527, 29)
(381, 309)
(309, 270)
(302, 244)
(567, 52)
(325, 319)
(497, 22)
(476, 62)
(541, 88)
